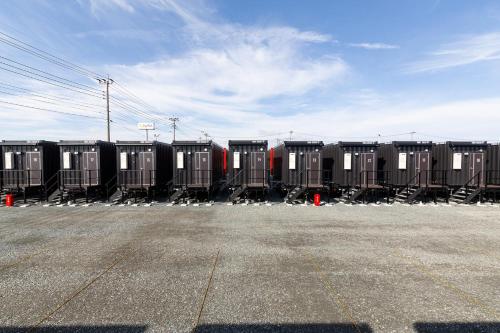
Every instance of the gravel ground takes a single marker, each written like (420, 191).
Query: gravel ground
(250, 269)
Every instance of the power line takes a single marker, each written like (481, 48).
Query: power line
(353, 137)
(134, 96)
(48, 110)
(137, 111)
(48, 82)
(146, 113)
(47, 102)
(131, 109)
(58, 80)
(46, 96)
(47, 73)
(47, 56)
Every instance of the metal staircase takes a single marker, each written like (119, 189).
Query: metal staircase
(353, 194)
(466, 195)
(237, 193)
(116, 196)
(293, 195)
(55, 196)
(409, 194)
(469, 192)
(177, 195)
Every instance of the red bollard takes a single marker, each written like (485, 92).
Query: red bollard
(9, 200)
(317, 199)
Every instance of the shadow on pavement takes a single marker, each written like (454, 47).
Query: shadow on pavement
(77, 328)
(483, 327)
(283, 328)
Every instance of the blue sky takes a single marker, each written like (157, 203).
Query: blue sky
(329, 70)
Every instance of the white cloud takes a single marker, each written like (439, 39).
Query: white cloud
(467, 50)
(99, 6)
(374, 46)
(231, 71)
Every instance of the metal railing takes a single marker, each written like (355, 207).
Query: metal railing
(193, 178)
(20, 178)
(78, 178)
(474, 182)
(426, 178)
(365, 178)
(137, 178)
(305, 177)
(250, 177)
(369, 178)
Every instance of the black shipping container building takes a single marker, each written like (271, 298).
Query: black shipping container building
(355, 170)
(465, 166)
(86, 165)
(298, 168)
(29, 167)
(407, 162)
(353, 163)
(409, 167)
(143, 166)
(198, 167)
(248, 167)
(465, 162)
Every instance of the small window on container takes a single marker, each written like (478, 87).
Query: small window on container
(291, 161)
(123, 161)
(9, 160)
(457, 161)
(180, 160)
(66, 160)
(402, 161)
(236, 160)
(347, 161)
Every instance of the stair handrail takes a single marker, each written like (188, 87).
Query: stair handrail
(54, 179)
(408, 183)
(234, 176)
(114, 183)
(467, 185)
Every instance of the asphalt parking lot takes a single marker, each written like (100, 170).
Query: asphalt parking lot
(250, 269)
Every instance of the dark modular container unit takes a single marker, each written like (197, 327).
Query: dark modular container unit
(198, 166)
(299, 163)
(353, 164)
(29, 165)
(248, 163)
(86, 164)
(464, 162)
(143, 165)
(408, 163)
(493, 165)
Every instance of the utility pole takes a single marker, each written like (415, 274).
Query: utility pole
(411, 133)
(291, 132)
(174, 126)
(107, 81)
(206, 135)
